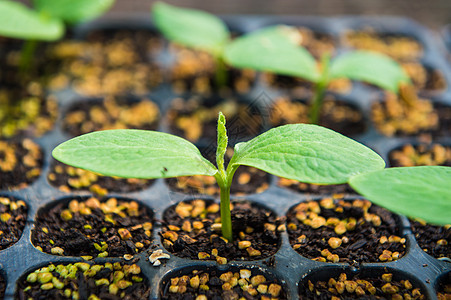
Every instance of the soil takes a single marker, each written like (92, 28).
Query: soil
(399, 47)
(425, 78)
(107, 63)
(195, 119)
(335, 230)
(444, 288)
(25, 111)
(191, 229)
(395, 117)
(82, 280)
(13, 216)
(194, 71)
(216, 285)
(90, 227)
(434, 240)
(247, 180)
(2, 287)
(317, 43)
(314, 189)
(111, 113)
(336, 115)
(20, 163)
(68, 179)
(421, 155)
(355, 287)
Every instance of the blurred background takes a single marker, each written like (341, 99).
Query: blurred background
(431, 13)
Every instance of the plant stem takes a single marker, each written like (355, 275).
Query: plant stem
(320, 88)
(28, 50)
(221, 75)
(226, 216)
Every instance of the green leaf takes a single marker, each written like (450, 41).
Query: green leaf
(370, 67)
(418, 192)
(307, 153)
(73, 11)
(134, 153)
(18, 21)
(272, 49)
(222, 141)
(192, 28)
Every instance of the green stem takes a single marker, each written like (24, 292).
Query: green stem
(320, 89)
(221, 75)
(26, 56)
(226, 216)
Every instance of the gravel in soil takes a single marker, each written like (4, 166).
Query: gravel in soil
(111, 113)
(195, 119)
(425, 78)
(336, 115)
(13, 215)
(91, 227)
(247, 180)
(314, 189)
(83, 280)
(192, 229)
(216, 285)
(347, 287)
(345, 231)
(194, 71)
(108, 63)
(434, 240)
(420, 155)
(67, 178)
(399, 47)
(444, 288)
(20, 163)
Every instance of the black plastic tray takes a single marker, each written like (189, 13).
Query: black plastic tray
(289, 267)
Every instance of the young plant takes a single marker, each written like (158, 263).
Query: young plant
(304, 152)
(418, 192)
(275, 49)
(45, 22)
(195, 29)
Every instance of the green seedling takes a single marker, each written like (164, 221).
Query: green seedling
(417, 192)
(195, 29)
(304, 152)
(275, 49)
(45, 22)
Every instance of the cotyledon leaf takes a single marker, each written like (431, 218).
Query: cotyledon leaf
(420, 192)
(134, 153)
(307, 153)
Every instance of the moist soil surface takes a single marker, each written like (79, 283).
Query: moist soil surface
(82, 281)
(67, 179)
(217, 285)
(421, 155)
(314, 189)
(111, 113)
(20, 163)
(192, 230)
(347, 287)
(95, 228)
(335, 230)
(13, 215)
(336, 115)
(434, 240)
(2, 287)
(444, 287)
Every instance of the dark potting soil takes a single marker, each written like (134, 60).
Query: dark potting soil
(336, 115)
(2, 287)
(434, 240)
(316, 189)
(13, 215)
(216, 285)
(20, 163)
(82, 280)
(111, 113)
(444, 287)
(347, 287)
(91, 227)
(196, 118)
(420, 155)
(192, 230)
(335, 230)
(68, 178)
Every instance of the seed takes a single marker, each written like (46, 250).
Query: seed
(334, 242)
(244, 244)
(57, 251)
(32, 277)
(47, 286)
(274, 289)
(44, 277)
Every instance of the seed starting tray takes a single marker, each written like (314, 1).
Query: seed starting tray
(287, 265)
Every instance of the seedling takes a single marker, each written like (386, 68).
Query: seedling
(304, 152)
(195, 29)
(275, 49)
(45, 22)
(418, 192)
